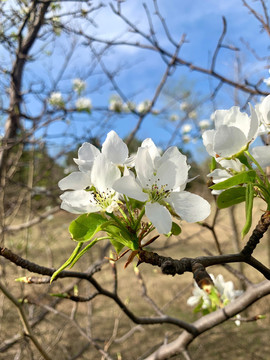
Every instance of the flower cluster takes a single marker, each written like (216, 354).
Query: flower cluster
(56, 100)
(206, 301)
(156, 180)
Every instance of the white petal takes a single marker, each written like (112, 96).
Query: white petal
(254, 124)
(104, 173)
(86, 155)
(114, 148)
(189, 207)
(208, 140)
(153, 150)
(179, 175)
(228, 140)
(78, 202)
(75, 181)
(144, 166)
(159, 216)
(128, 186)
(262, 155)
(219, 175)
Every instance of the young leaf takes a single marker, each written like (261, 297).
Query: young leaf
(176, 230)
(68, 262)
(80, 254)
(86, 226)
(117, 245)
(119, 235)
(244, 177)
(231, 197)
(249, 206)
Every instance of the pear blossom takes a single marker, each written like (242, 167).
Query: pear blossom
(83, 104)
(79, 85)
(228, 169)
(233, 132)
(192, 114)
(129, 106)
(267, 81)
(225, 288)
(186, 139)
(204, 124)
(144, 106)
(92, 185)
(262, 155)
(184, 106)
(174, 117)
(263, 112)
(116, 104)
(56, 99)
(92, 192)
(186, 128)
(160, 183)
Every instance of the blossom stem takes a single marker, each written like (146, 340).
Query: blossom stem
(139, 218)
(259, 167)
(129, 210)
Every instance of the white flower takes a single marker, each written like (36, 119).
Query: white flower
(186, 128)
(225, 289)
(238, 320)
(83, 104)
(94, 192)
(174, 117)
(116, 104)
(186, 139)
(192, 114)
(92, 184)
(267, 81)
(160, 182)
(184, 106)
(144, 106)
(233, 132)
(204, 124)
(262, 155)
(263, 112)
(79, 85)
(56, 99)
(129, 106)
(229, 169)
(198, 296)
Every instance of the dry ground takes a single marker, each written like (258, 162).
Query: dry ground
(48, 244)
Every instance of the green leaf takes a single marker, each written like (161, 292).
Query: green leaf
(80, 254)
(86, 226)
(249, 207)
(231, 197)
(68, 262)
(176, 230)
(213, 164)
(244, 177)
(117, 245)
(122, 237)
(244, 160)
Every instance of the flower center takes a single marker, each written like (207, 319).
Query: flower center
(102, 198)
(157, 191)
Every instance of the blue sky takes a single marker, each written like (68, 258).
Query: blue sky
(142, 70)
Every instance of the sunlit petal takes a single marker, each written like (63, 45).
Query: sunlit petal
(128, 186)
(114, 148)
(75, 181)
(189, 207)
(159, 216)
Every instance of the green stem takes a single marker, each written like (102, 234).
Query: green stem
(129, 210)
(260, 168)
(139, 218)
